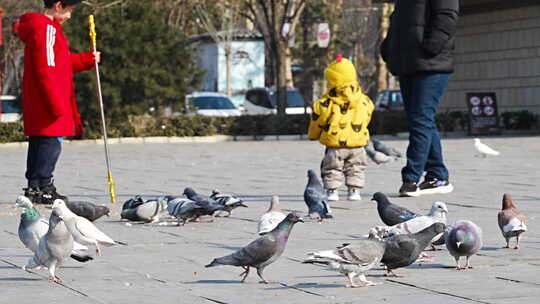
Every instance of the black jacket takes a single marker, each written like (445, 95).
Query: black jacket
(421, 37)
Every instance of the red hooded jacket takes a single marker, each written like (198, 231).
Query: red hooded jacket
(49, 107)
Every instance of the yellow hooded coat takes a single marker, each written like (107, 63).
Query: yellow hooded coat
(341, 117)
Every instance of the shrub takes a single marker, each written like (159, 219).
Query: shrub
(519, 120)
(11, 131)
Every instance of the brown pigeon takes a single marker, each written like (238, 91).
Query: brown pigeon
(511, 221)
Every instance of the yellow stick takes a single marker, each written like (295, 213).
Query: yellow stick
(110, 180)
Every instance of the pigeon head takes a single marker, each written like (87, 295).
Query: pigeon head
(379, 197)
(274, 204)
(438, 208)
(311, 174)
(477, 140)
(23, 202)
(507, 202)
(60, 209)
(293, 218)
(189, 192)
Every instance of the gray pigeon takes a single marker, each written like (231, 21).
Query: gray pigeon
(54, 247)
(512, 221)
(316, 199)
(376, 156)
(391, 214)
(209, 204)
(230, 202)
(351, 260)
(380, 147)
(404, 249)
(464, 238)
(33, 227)
(88, 210)
(148, 212)
(184, 209)
(261, 252)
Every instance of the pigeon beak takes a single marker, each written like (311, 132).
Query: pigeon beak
(301, 220)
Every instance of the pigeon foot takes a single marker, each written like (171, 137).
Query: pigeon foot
(55, 280)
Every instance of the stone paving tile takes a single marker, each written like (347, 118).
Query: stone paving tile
(166, 263)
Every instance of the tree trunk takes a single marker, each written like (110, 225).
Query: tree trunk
(281, 80)
(228, 69)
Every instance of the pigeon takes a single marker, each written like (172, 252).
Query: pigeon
(184, 209)
(261, 252)
(133, 202)
(484, 149)
(316, 199)
(209, 204)
(464, 238)
(389, 151)
(271, 218)
(437, 214)
(83, 230)
(351, 260)
(512, 222)
(229, 201)
(376, 156)
(33, 227)
(54, 247)
(404, 249)
(391, 214)
(88, 210)
(148, 212)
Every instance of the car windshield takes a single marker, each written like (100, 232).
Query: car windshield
(212, 103)
(9, 106)
(294, 99)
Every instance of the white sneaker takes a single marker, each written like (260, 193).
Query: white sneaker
(354, 195)
(332, 195)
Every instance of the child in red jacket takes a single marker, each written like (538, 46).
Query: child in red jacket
(49, 108)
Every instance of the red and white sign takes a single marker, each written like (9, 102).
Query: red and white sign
(323, 35)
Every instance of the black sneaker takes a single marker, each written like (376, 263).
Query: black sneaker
(435, 186)
(33, 194)
(409, 189)
(49, 194)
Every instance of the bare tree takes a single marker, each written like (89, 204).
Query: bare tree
(277, 20)
(224, 37)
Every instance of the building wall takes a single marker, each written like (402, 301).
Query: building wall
(498, 51)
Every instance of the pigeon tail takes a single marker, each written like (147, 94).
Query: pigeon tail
(81, 258)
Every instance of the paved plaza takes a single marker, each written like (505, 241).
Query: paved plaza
(165, 263)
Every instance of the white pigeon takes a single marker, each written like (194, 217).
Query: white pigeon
(437, 214)
(271, 218)
(484, 149)
(83, 230)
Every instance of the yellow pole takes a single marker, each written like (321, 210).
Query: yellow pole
(110, 180)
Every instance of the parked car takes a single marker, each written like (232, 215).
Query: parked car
(264, 101)
(9, 109)
(389, 100)
(213, 104)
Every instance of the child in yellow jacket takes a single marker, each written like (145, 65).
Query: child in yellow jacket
(339, 120)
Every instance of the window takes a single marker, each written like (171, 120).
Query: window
(212, 103)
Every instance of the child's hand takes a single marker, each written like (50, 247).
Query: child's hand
(97, 56)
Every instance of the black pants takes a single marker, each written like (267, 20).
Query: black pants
(43, 153)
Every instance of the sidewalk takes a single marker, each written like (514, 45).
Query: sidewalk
(165, 264)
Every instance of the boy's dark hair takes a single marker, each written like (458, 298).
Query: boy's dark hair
(50, 3)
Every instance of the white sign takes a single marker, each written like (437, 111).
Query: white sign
(323, 35)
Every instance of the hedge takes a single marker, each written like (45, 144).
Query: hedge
(390, 122)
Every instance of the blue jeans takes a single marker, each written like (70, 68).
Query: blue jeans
(43, 153)
(421, 94)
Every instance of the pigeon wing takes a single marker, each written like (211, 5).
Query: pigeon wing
(87, 229)
(257, 252)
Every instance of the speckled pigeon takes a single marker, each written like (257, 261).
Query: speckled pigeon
(352, 260)
(209, 204)
(88, 210)
(150, 211)
(512, 221)
(404, 249)
(261, 252)
(54, 247)
(315, 198)
(230, 202)
(391, 214)
(464, 238)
